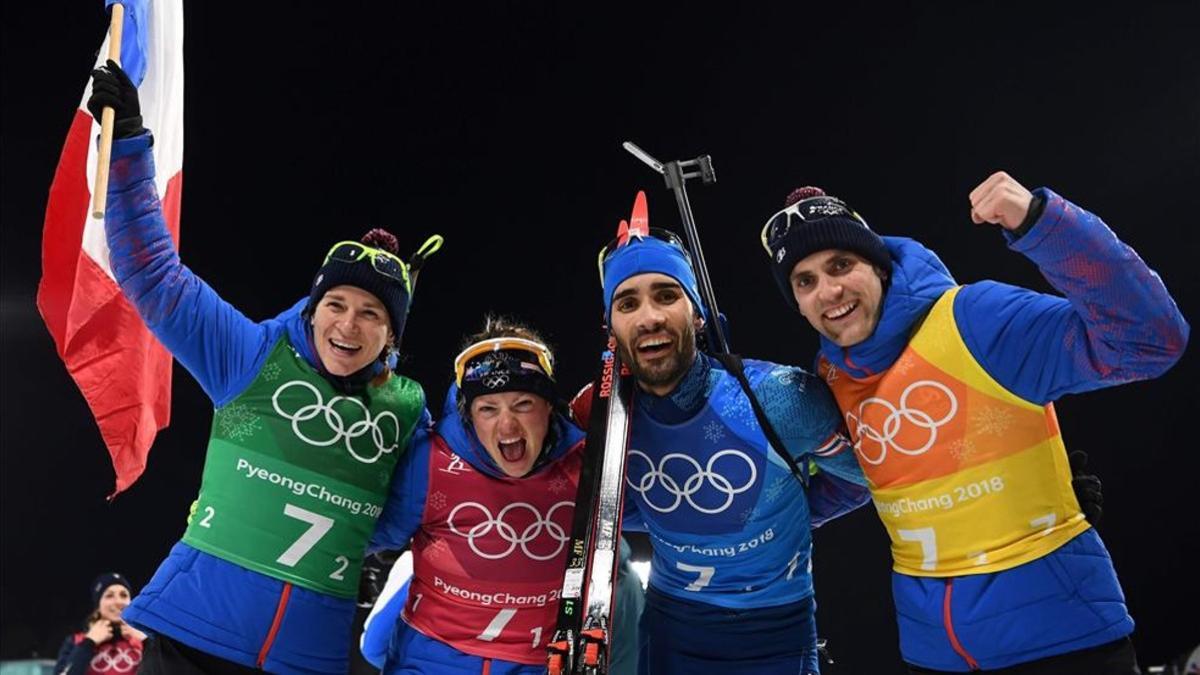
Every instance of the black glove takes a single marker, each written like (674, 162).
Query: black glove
(371, 582)
(112, 88)
(1086, 487)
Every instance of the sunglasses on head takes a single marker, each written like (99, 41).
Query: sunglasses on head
(655, 233)
(385, 263)
(537, 349)
(806, 210)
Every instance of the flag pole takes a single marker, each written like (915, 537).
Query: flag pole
(100, 189)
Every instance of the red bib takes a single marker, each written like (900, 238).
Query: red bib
(489, 557)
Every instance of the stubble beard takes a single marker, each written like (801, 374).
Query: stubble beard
(667, 371)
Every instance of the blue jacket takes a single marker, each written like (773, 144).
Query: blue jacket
(196, 598)
(1117, 323)
(395, 647)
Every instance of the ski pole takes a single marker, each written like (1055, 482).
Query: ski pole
(676, 174)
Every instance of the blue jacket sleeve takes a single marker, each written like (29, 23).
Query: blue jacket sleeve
(381, 622)
(1116, 324)
(405, 505)
(806, 417)
(218, 345)
(74, 657)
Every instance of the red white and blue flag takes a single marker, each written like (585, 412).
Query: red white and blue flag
(122, 370)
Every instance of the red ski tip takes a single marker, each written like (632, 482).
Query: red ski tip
(622, 233)
(639, 220)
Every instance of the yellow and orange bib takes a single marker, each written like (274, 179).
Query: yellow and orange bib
(967, 477)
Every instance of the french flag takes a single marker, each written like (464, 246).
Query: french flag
(121, 369)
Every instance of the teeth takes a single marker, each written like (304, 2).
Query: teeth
(657, 342)
(342, 345)
(841, 310)
(507, 441)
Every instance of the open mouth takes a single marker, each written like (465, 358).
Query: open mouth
(343, 348)
(512, 451)
(840, 312)
(653, 348)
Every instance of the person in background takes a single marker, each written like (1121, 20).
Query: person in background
(109, 645)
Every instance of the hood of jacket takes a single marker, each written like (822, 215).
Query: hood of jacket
(919, 278)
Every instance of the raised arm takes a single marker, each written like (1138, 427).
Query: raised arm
(1117, 322)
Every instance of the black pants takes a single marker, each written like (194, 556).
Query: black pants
(163, 656)
(1113, 658)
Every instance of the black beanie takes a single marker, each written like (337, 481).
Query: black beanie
(393, 293)
(828, 223)
(105, 580)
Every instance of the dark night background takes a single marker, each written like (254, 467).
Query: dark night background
(500, 127)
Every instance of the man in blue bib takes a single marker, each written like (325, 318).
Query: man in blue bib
(730, 587)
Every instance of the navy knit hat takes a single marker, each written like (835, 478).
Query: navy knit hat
(105, 580)
(374, 266)
(812, 221)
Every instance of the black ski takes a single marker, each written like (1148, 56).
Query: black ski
(582, 637)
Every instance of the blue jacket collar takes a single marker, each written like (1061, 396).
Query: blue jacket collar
(919, 278)
(685, 400)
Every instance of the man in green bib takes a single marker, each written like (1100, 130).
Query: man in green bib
(309, 423)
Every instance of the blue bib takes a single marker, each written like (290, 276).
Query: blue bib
(729, 522)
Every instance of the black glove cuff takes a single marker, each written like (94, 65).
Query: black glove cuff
(1036, 207)
(128, 127)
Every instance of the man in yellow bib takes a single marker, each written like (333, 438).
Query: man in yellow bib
(947, 392)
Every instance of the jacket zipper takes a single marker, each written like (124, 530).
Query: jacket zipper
(279, 610)
(947, 619)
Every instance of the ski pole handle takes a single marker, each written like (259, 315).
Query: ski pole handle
(107, 117)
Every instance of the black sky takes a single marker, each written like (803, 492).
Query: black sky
(500, 127)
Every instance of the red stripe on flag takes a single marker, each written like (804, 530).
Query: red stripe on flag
(62, 230)
(123, 372)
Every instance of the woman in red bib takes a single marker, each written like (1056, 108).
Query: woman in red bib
(492, 496)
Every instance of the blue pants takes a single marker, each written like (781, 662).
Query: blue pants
(680, 636)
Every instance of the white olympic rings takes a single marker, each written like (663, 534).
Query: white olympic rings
(115, 659)
(509, 534)
(860, 430)
(337, 425)
(693, 483)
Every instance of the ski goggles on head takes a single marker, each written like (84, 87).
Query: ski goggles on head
(617, 244)
(804, 211)
(383, 262)
(470, 367)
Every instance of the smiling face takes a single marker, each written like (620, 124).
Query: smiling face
(840, 293)
(655, 325)
(114, 599)
(512, 426)
(350, 329)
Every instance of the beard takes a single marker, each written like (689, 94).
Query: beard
(666, 371)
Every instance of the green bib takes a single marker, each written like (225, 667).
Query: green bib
(296, 474)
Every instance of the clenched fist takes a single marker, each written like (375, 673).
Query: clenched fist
(1000, 200)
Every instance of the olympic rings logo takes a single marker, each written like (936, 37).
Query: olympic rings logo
(494, 380)
(116, 659)
(861, 431)
(337, 425)
(508, 533)
(700, 476)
